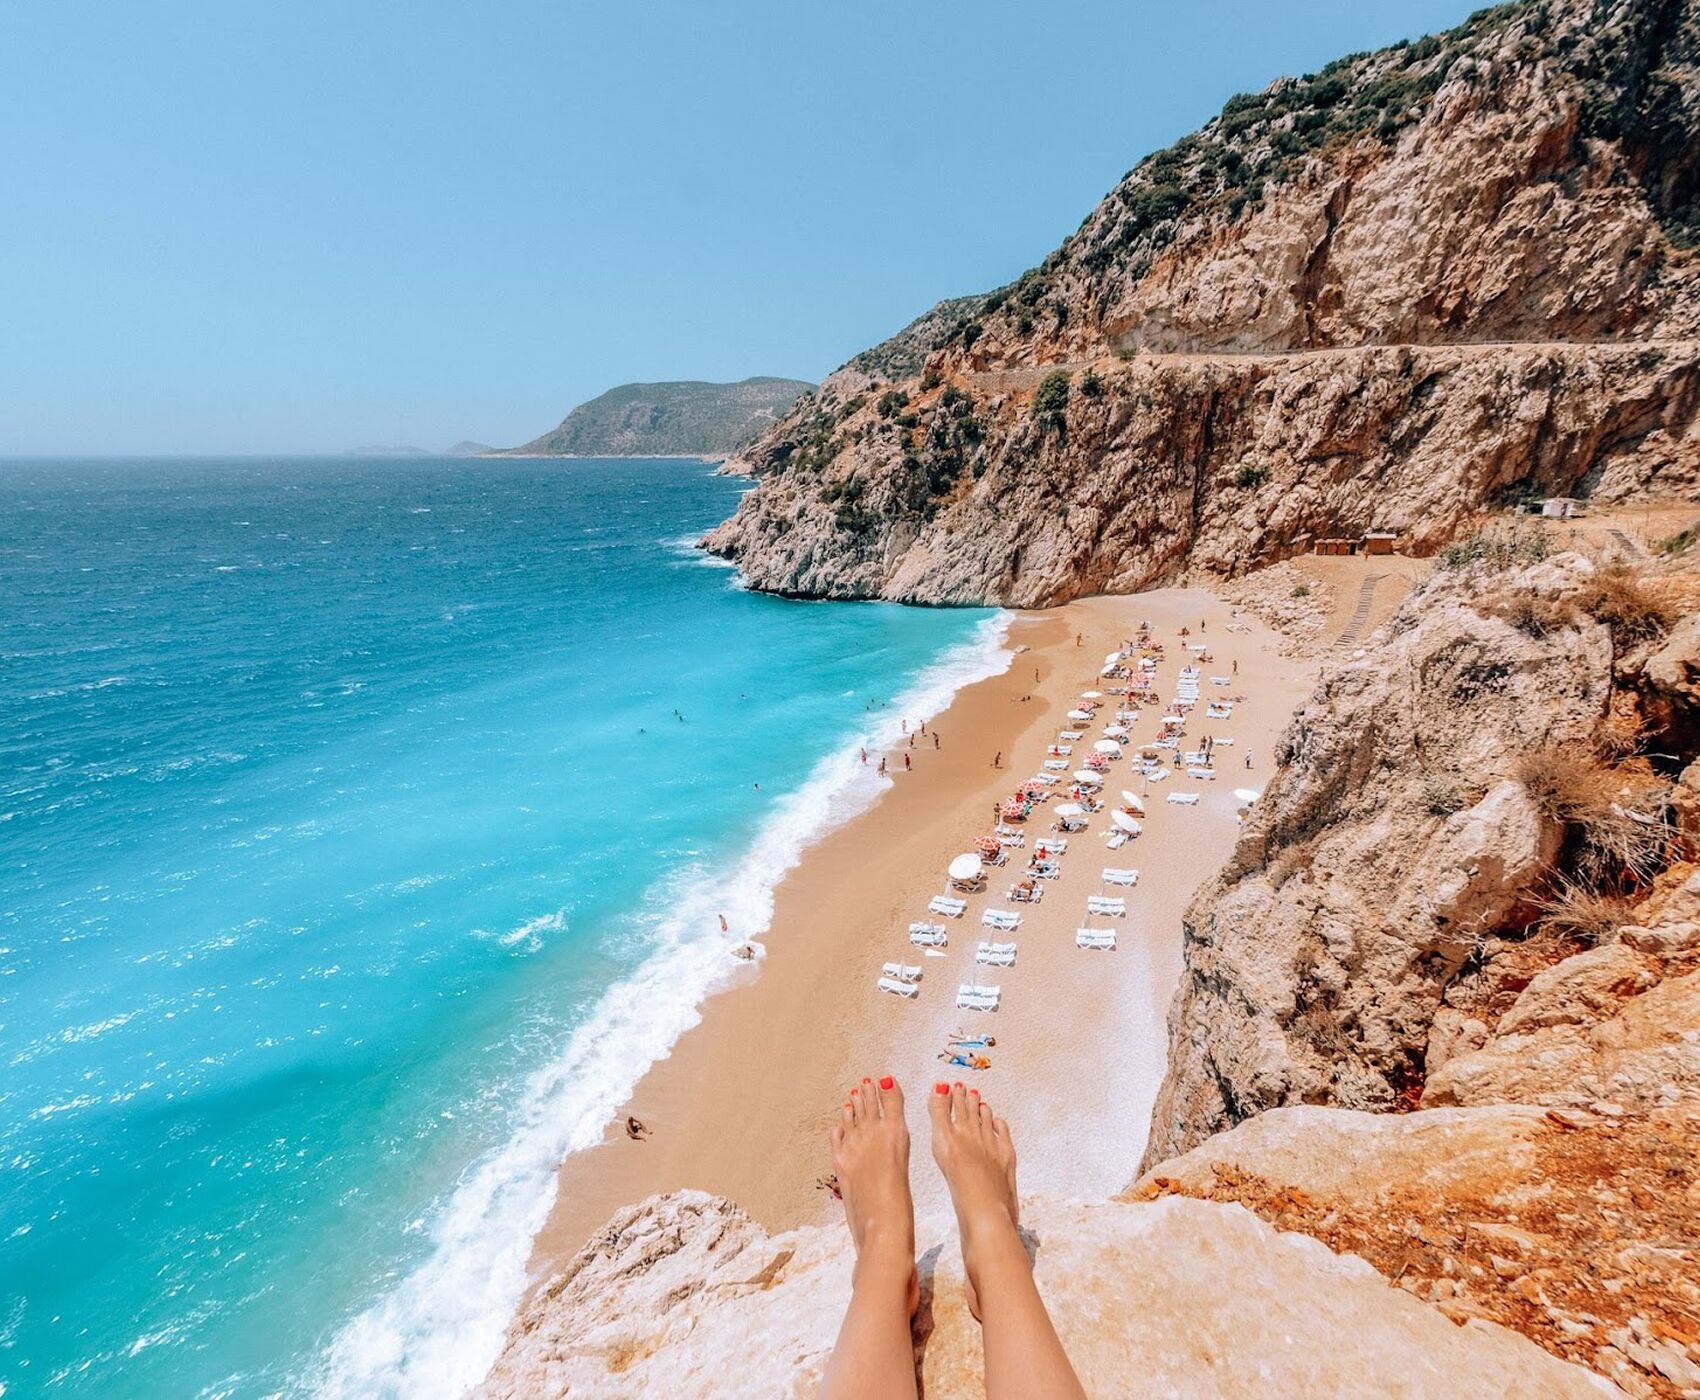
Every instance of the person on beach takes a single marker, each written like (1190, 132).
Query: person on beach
(907, 765)
(636, 1129)
(724, 926)
(1248, 758)
(882, 765)
(875, 1354)
(997, 759)
(864, 755)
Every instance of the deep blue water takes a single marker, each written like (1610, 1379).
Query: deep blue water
(353, 863)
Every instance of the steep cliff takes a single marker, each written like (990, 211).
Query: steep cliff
(1417, 283)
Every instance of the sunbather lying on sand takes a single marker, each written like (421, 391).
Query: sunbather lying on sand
(875, 1356)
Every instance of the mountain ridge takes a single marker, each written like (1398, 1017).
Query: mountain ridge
(667, 418)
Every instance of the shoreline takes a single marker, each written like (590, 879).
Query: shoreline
(787, 1036)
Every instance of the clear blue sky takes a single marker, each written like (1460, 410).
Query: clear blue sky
(310, 224)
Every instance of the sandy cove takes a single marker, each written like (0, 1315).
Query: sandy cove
(743, 1105)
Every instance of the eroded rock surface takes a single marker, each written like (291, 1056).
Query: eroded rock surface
(684, 1296)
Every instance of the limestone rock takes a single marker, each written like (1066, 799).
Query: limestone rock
(1670, 686)
(1645, 1056)
(684, 1296)
(1580, 990)
(1391, 839)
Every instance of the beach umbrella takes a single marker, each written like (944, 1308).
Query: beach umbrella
(1134, 801)
(1070, 810)
(965, 868)
(1112, 658)
(1247, 795)
(1108, 746)
(1125, 823)
(1088, 778)
(1081, 715)
(1117, 731)
(1091, 695)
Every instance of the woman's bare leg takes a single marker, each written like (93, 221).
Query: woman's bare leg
(874, 1358)
(1024, 1358)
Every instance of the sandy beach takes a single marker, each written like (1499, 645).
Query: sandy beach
(1080, 1035)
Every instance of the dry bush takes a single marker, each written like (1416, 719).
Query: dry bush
(1612, 838)
(1532, 613)
(1578, 914)
(1442, 797)
(1623, 600)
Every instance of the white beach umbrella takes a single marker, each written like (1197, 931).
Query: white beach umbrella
(965, 867)
(1134, 800)
(1080, 714)
(1109, 746)
(1088, 778)
(1113, 658)
(1070, 810)
(1247, 795)
(1126, 823)
(1091, 695)
(1117, 731)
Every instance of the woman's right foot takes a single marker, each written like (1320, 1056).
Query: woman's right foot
(870, 1149)
(972, 1146)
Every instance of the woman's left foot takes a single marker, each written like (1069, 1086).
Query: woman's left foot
(870, 1151)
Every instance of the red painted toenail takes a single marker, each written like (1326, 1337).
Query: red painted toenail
(866, 1080)
(888, 1083)
(941, 1088)
(975, 1092)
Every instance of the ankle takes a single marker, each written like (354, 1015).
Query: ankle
(989, 1239)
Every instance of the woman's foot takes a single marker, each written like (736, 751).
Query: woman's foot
(973, 1149)
(870, 1151)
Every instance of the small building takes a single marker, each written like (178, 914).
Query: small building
(1560, 507)
(1380, 541)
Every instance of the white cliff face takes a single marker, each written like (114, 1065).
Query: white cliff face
(684, 1296)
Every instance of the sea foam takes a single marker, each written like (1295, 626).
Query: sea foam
(437, 1331)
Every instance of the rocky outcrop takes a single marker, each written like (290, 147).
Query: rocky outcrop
(685, 1296)
(1391, 841)
(1416, 284)
(1578, 1229)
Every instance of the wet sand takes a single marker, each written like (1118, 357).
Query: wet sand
(743, 1105)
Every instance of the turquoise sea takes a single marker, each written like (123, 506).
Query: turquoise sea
(363, 828)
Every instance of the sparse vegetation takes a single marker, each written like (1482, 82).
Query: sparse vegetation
(1442, 797)
(1050, 403)
(1612, 840)
(1496, 550)
(1680, 541)
(1623, 601)
(1301, 591)
(1251, 475)
(1578, 914)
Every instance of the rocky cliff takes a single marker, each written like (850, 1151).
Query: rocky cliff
(1417, 283)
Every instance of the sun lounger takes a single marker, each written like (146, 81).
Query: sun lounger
(1104, 938)
(1207, 775)
(1116, 839)
(995, 954)
(1055, 765)
(1048, 779)
(1224, 743)
(1011, 840)
(1106, 905)
(950, 908)
(902, 989)
(1116, 875)
(1061, 750)
(1219, 680)
(1044, 869)
(1195, 756)
(1184, 799)
(1015, 895)
(1002, 919)
(970, 997)
(1050, 845)
(1219, 712)
(1070, 734)
(928, 936)
(902, 972)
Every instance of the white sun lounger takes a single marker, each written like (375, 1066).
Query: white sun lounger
(922, 926)
(1053, 845)
(1116, 839)
(1061, 750)
(1055, 765)
(1003, 919)
(901, 972)
(1048, 779)
(970, 997)
(928, 936)
(902, 989)
(1070, 735)
(1207, 775)
(1194, 756)
(1224, 743)
(950, 908)
(1115, 875)
(1011, 840)
(995, 954)
(1104, 938)
(1219, 680)
(1184, 799)
(1106, 905)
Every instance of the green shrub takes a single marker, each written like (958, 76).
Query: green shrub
(1091, 386)
(1302, 591)
(1050, 403)
(1251, 474)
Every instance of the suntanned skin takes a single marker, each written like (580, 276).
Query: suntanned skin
(874, 1356)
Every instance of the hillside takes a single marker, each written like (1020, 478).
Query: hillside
(1421, 282)
(686, 418)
